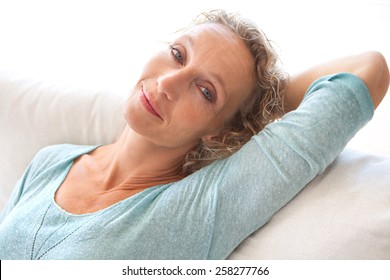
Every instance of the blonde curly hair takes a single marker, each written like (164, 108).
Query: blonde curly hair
(264, 105)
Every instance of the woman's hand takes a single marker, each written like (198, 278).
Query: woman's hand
(371, 67)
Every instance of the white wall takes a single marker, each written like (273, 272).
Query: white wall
(104, 43)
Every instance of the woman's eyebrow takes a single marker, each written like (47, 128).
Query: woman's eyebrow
(188, 39)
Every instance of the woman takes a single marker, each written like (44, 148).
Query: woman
(202, 163)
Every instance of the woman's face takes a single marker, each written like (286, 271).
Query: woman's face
(191, 90)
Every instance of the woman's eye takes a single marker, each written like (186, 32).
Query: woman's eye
(207, 93)
(177, 55)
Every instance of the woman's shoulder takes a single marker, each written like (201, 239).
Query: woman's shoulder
(61, 151)
(51, 155)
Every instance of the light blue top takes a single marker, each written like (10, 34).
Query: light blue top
(204, 216)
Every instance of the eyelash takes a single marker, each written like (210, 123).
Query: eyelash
(178, 57)
(174, 53)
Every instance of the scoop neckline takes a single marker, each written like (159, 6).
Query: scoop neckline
(65, 172)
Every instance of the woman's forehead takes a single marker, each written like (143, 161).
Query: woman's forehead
(213, 29)
(217, 42)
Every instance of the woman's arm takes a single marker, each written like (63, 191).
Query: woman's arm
(371, 67)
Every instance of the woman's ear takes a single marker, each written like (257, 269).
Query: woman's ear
(208, 138)
(217, 136)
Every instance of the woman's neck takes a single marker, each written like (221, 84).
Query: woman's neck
(135, 162)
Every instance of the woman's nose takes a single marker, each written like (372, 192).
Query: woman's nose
(171, 84)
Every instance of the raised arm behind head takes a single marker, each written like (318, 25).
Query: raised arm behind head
(370, 66)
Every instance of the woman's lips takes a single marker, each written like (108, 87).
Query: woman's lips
(149, 104)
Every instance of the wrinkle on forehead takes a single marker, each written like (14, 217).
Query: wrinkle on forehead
(216, 28)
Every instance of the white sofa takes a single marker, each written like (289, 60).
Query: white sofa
(343, 214)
